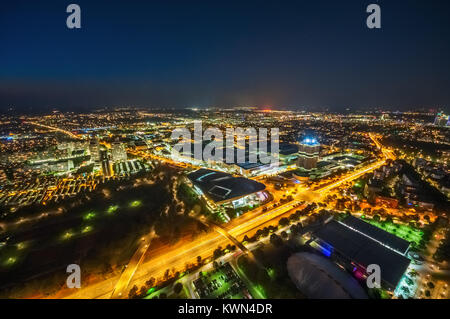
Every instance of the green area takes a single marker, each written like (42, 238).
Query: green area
(405, 232)
(175, 290)
(271, 281)
(358, 187)
(101, 229)
(192, 200)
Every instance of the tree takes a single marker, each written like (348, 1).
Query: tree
(283, 222)
(272, 228)
(217, 252)
(258, 233)
(177, 288)
(150, 283)
(106, 268)
(132, 294)
(389, 220)
(166, 274)
(276, 240)
(293, 229)
(143, 291)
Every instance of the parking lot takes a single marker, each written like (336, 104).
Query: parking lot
(221, 283)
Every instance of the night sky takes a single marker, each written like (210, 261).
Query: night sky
(314, 54)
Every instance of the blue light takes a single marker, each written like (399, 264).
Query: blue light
(326, 252)
(310, 141)
(326, 249)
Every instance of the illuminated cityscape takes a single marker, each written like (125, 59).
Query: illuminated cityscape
(350, 193)
(183, 156)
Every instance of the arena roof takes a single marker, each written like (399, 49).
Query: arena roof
(363, 250)
(378, 234)
(220, 186)
(319, 278)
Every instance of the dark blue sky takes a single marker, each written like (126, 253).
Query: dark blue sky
(166, 53)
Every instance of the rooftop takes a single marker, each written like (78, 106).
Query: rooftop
(312, 141)
(220, 186)
(364, 250)
(377, 234)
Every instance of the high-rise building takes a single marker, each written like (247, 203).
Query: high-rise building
(106, 165)
(308, 153)
(118, 152)
(94, 149)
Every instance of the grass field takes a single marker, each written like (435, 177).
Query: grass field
(405, 232)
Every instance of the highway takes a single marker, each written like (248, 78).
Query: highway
(352, 176)
(130, 270)
(177, 257)
(55, 129)
(186, 251)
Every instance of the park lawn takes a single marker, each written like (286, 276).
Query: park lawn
(405, 232)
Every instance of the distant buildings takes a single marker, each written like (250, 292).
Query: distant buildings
(68, 147)
(3, 178)
(414, 193)
(373, 187)
(308, 154)
(442, 119)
